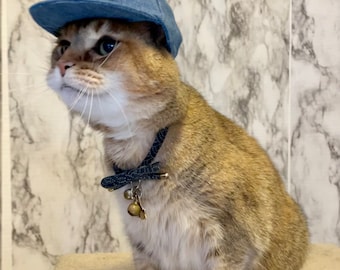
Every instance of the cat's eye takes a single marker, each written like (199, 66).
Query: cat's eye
(63, 46)
(105, 45)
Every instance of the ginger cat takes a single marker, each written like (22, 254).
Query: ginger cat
(223, 205)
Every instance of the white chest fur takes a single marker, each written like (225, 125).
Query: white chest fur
(177, 234)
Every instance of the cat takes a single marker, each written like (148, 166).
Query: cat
(222, 204)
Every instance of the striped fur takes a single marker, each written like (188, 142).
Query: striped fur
(224, 205)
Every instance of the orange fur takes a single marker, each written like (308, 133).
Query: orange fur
(224, 205)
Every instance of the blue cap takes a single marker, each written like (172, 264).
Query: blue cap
(54, 14)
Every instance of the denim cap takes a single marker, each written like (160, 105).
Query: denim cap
(54, 14)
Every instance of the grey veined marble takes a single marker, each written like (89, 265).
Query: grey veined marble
(315, 148)
(237, 54)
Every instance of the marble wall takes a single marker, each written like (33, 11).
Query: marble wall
(315, 113)
(272, 66)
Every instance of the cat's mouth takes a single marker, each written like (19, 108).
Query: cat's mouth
(67, 87)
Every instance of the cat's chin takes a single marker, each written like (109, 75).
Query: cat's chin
(96, 109)
(66, 87)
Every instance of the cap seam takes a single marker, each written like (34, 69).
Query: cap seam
(159, 8)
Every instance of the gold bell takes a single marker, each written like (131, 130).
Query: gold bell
(134, 209)
(142, 214)
(128, 194)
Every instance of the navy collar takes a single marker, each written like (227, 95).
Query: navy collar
(145, 171)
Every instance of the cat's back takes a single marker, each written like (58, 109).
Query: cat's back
(205, 126)
(229, 172)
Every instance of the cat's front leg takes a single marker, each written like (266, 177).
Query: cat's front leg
(142, 260)
(142, 265)
(232, 260)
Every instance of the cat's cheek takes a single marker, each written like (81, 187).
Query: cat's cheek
(55, 80)
(70, 98)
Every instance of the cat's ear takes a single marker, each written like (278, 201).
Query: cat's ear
(155, 34)
(158, 36)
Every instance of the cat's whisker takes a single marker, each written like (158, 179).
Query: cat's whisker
(108, 56)
(122, 111)
(100, 104)
(92, 94)
(79, 96)
(90, 112)
(104, 61)
(85, 106)
(93, 65)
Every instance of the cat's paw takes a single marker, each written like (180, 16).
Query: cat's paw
(146, 267)
(144, 264)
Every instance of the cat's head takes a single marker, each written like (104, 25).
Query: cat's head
(113, 72)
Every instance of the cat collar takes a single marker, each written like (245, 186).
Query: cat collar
(145, 171)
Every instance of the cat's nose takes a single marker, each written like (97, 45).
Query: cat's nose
(63, 66)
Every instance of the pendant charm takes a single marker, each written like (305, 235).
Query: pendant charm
(135, 208)
(142, 214)
(128, 194)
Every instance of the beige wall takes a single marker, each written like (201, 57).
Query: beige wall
(5, 166)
